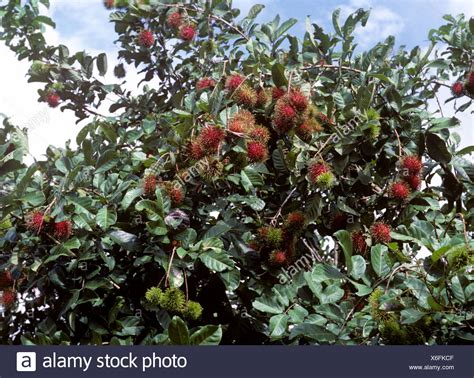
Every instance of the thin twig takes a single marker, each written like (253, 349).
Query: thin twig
(274, 219)
(169, 267)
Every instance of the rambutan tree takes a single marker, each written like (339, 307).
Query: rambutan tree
(270, 189)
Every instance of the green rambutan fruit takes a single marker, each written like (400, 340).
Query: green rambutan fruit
(193, 310)
(264, 97)
(173, 300)
(154, 296)
(274, 236)
(326, 180)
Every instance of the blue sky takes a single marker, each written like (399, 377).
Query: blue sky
(83, 25)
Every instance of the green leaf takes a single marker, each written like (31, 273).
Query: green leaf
(379, 260)
(106, 217)
(130, 196)
(312, 331)
(216, 261)
(277, 327)
(410, 316)
(231, 279)
(278, 75)
(345, 241)
(269, 305)
(437, 149)
(102, 64)
(178, 331)
(217, 230)
(457, 289)
(358, 266)
(207, 335)
(126, 240)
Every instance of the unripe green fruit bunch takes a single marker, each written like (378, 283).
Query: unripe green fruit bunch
(174, 301)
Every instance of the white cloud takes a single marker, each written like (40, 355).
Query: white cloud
(382, 22)
(455, 7)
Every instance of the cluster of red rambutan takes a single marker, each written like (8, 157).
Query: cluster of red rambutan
(460, 88)
(257, 136)
(411, 173)
(184, 29)
(293, 111)
(37, 221)
(320, 174)
(276, 244)
(242, 93)
(8, 297)
(207, 143)
(175, 192)
(205, 83)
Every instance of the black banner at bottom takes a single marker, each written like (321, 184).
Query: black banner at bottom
(237, 361)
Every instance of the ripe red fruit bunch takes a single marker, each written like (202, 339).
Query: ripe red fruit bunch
(358, 242)
(457, 89)
(53, 99)
(211, 137)
(233, 82)
(380, 232)
(146, 38)
(295, 222)
(278, 258)
(174, 20)
(8, 298)
(411, 171)
(257, 151)
(35, 221)
(149, 185)
(63, 229)
(205, 83)
(399, 190)
(187, 32)
(317, 169)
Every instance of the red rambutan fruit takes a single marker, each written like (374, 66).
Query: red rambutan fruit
(412, 164)
(380, 232)
(414, 182)
(470, 79)
(245, 96)
(211, 137)
(295, 221)
(149, 185)
(263, 232)
(196, 149)
(254, 245)
(260, 134)
(8, 298)
(298, 100)
(176, 194)
(257, 151)
(233, 82)
(278, 258)
(109, 4)
(6, 279)
(35, 221)
(457, 89)
(306, 129)
(205, 83)
(237, 126)
(358, 242)
(317, 169)
(174, 20)
(63, 229)
(399, 190)
(277, 93)
(284, 116)
(146, 38)
(53, 99)
(339, 221)
(187, 32)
